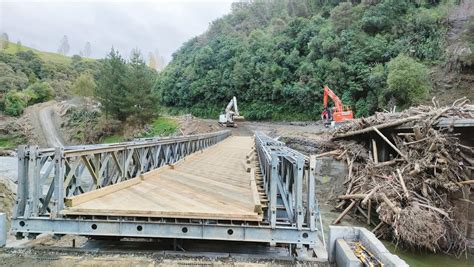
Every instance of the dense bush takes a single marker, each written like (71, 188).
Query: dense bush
(39, 92)
(15, 103)
(32, 80)
(276, 56)
(408, 81)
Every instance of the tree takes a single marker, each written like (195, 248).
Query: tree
(84, 85)
(4, 41)
(111, 90)
(64, 46)
(10, 80)
(407, 82)
(15, 103)
(160, 61)
(87, 50)
(151, 60)
(140, 81)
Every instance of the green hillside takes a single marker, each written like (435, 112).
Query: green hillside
(276, 56)
(29, 76)
(46, 56)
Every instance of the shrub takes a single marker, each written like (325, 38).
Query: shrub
(39, 92)
(407, 81)
(15, 103)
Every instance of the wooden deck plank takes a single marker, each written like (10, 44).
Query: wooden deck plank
(205, 185)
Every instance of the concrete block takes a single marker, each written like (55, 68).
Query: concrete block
(371, 242)
(367, 239)
(3, 229)
(345, 257)
(339, 232)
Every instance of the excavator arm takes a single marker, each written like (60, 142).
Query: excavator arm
(334, 97)
(340, 113)
(231, 114)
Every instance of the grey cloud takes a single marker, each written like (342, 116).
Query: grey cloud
(148, 25)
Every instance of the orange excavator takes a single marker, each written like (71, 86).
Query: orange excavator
(340, 113)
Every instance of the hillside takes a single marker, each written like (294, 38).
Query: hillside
(46, 56)
(275, 56)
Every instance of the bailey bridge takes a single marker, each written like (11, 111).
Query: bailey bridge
(209, 186)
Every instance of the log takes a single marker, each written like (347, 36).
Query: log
(390, 203)
(369, 195)
(394, 123)
(369, 208)
(352, 196)
(344, 212)
(377, 227)
(375, 152)
(402, 183)
(415, 142)
(440, 211)
(382, 125)
(329, 153)
(467, 182)
(385, 163)
(390, 143)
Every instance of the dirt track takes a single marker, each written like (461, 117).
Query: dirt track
(48, 126)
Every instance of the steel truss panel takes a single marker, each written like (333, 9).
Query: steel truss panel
(47, 176)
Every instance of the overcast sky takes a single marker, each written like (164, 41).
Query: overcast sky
(148, 25)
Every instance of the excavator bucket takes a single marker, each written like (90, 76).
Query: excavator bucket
(239, 118)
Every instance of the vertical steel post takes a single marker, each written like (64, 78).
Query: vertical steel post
(33, 179)
(273, 190)
(22, 189)
(311, 193)
(58, 182)
(299, 192)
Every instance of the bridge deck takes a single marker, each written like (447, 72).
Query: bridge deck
(208, 185)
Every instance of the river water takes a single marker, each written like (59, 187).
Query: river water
(425, 259)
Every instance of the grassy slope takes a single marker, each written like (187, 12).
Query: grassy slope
(46, 56)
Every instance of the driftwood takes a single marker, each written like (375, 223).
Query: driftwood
(390, 143)
(354, 196)
(408, 196)
(402, 183)
(336, 221)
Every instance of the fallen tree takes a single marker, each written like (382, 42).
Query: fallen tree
(411, 193)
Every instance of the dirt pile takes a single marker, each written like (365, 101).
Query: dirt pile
(188, 124)
(7, 197)
(411, 190)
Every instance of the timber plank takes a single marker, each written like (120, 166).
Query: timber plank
(205, 185)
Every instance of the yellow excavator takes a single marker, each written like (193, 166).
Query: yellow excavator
(231, 114)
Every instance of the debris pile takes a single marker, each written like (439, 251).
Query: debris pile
(411, 190)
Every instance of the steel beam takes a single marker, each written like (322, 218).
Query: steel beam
(121, 228)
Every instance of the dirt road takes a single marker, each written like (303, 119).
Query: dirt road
(42, 119)
(49, 127)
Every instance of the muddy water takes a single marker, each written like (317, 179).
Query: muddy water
(424, 259)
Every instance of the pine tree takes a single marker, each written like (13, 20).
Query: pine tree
(140, 81)
(64, 46)
(111, 90)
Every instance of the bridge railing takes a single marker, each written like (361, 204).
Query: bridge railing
(47, 176)
(289, 182)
